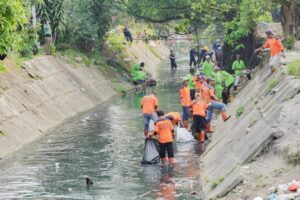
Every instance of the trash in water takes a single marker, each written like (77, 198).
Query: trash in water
(258, 198)
(285, 191)
(89, 181)
(151, 152)
(184, 135)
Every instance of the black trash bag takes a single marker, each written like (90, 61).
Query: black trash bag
(151, 152)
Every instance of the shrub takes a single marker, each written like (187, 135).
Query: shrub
(294, 68)
(52, 48)
(289, 42)
(239, 111)
(272, 84)
(216, 182)
(115, 42)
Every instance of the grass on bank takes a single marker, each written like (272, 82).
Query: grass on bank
(216, 182)
(239, 111)
(293, 68)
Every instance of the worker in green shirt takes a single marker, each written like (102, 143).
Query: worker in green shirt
(191, 83)
(47, 31)
(238, 66)
(217, 75)
(140, 77)
(135, 68)
(207, 67)
(228, 81)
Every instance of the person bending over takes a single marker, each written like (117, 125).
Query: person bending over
(165, 131)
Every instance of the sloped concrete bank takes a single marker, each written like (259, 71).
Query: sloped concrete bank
(247, 146)
(46, 91)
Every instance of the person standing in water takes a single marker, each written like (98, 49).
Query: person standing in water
(186, 103)
(172, 59)
(199, 108)
(193, 58)
(149, 108)
(165, 131)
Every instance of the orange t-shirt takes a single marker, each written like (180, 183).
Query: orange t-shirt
(274, 45)
(199, 107)
(164, 129)
(185, 96)
(149, 103)
(206, 93)
(176, 117)
(198, 83)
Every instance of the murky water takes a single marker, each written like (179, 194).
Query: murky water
(105, 144)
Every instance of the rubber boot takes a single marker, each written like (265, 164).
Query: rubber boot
(146, 133)
(201, 136)
(186, 124)
(273, 70)
(163, 160)
(209, 129)
(225, 117)
(171, 161)
(249, 76)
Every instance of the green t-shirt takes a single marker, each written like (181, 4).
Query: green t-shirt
(229, 79)
(208, 69)
(238, 67)
(139, 75)
(47, 29)
(191, 84)
(134, 68)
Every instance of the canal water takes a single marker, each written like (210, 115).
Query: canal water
(105, 144)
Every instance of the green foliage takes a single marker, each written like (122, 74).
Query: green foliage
(239, 111)
(1, 133)
(2, 67)
(52, 10)
(115, 42)
(29, 37)
(294, 68)
(294, 158)
(289, 42)
(216, 182)
(52, 48)
(272, 84)
(86, 24)
(12, 16)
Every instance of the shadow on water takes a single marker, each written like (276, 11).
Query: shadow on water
(105, 144)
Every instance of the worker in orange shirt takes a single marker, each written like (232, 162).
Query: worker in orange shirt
(174, 117)
(165, 131)
(186, 103)
(199, 80)
(199, 108)
(149, 108)
(276, 48)
(208, 95)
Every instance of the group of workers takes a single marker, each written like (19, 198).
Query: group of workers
(205, 89)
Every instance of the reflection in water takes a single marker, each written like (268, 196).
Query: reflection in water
(106, 145)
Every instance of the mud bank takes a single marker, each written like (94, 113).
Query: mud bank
(250, 153)
(46, 91)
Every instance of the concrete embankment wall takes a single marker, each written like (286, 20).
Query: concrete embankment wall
(46, 91)
(271, 104)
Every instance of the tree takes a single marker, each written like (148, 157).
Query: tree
(13, 16)
(86, 24)
(52, 10)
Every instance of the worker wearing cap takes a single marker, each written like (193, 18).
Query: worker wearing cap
(165, 131)
(238, 67)
(174, 117)
(199, 80)
(186, 103)
(276, 49)
(149, 107)
(208, 67)
(208, 95)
